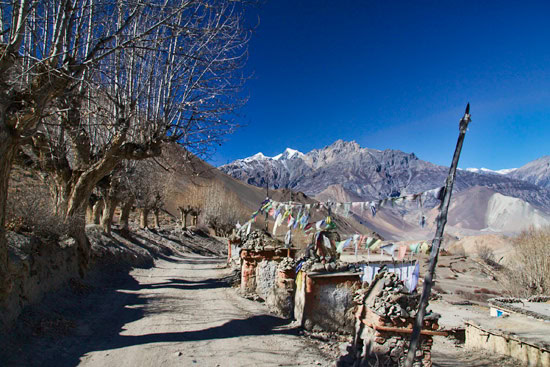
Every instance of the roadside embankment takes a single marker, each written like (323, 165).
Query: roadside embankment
(39, 266)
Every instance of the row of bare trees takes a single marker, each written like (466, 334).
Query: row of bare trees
(87, 85)
(134, 184)
(210, 203)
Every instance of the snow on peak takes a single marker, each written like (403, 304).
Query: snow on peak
(490, 171)
(257, 157)
(505, 171)
(288, 154)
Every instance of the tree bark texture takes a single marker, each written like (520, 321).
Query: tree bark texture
(143, 220)
(156, 219)
(183, 216)
(20, 113)
(8, 148)
(108, 214)
(89, 213)
(83, 249)
(184, 213)
(97, 210)
(125, 214)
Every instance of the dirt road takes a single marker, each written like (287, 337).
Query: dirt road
(179, 313)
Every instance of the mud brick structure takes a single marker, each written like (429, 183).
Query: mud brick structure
(251, 259)
(384, 324)
(325, 300)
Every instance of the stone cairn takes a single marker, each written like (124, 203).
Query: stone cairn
(385, 316)
(258, 240)
(319, 258)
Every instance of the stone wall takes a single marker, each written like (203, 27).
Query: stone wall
(39, 266)
(282, 298)
(325, 300)
(497, 342)
(266, 277)
(269, 275)
(36, 268)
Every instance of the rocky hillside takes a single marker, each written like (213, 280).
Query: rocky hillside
(536, 172)
(344, 169)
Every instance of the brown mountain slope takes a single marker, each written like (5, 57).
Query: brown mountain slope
(190, 170)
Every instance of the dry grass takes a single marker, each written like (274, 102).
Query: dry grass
(528, 270)
(485, 253)
(473, 296)
(486, 291)
(29, 209)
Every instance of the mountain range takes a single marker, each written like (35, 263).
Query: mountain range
(344, 171)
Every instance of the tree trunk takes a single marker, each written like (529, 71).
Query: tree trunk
(8, 148)
(83, 250)
(156, 221)
(97, 209)
(182, 218)
(108, 213)
(19, 115)
(125, 215)
(143, 214)
(89, 213)
(184, 213)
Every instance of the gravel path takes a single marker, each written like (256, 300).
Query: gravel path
(180, 312)
(192, 317)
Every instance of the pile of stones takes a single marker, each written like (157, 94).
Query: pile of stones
(258, 240)
(287, 264)
(315, 264)
(392, 300)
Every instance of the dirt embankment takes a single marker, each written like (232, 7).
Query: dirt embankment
(39, 266)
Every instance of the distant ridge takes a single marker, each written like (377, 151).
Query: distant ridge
(369, 174)
(536, 172)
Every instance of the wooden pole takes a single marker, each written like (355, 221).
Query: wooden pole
(267, 198)
(436, 242)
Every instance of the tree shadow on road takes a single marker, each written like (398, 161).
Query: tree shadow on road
(95, 321)
(191, 284)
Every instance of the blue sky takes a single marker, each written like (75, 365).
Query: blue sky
(398, 75)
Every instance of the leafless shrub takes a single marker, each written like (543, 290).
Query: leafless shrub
(222, 209)
(528, 270)
(486, 291)
(470, 296)
(485, 253)
(30, 210)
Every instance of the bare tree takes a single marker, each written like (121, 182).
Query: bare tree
(45, 47)
(190, 201)
(148, 187)
(222, 209)
(112, 90)
(125, 211)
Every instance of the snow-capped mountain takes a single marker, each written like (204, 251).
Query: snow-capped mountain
(536, 172)
(288, 154)
(373, 174)
(256, 157)
(483, 170)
